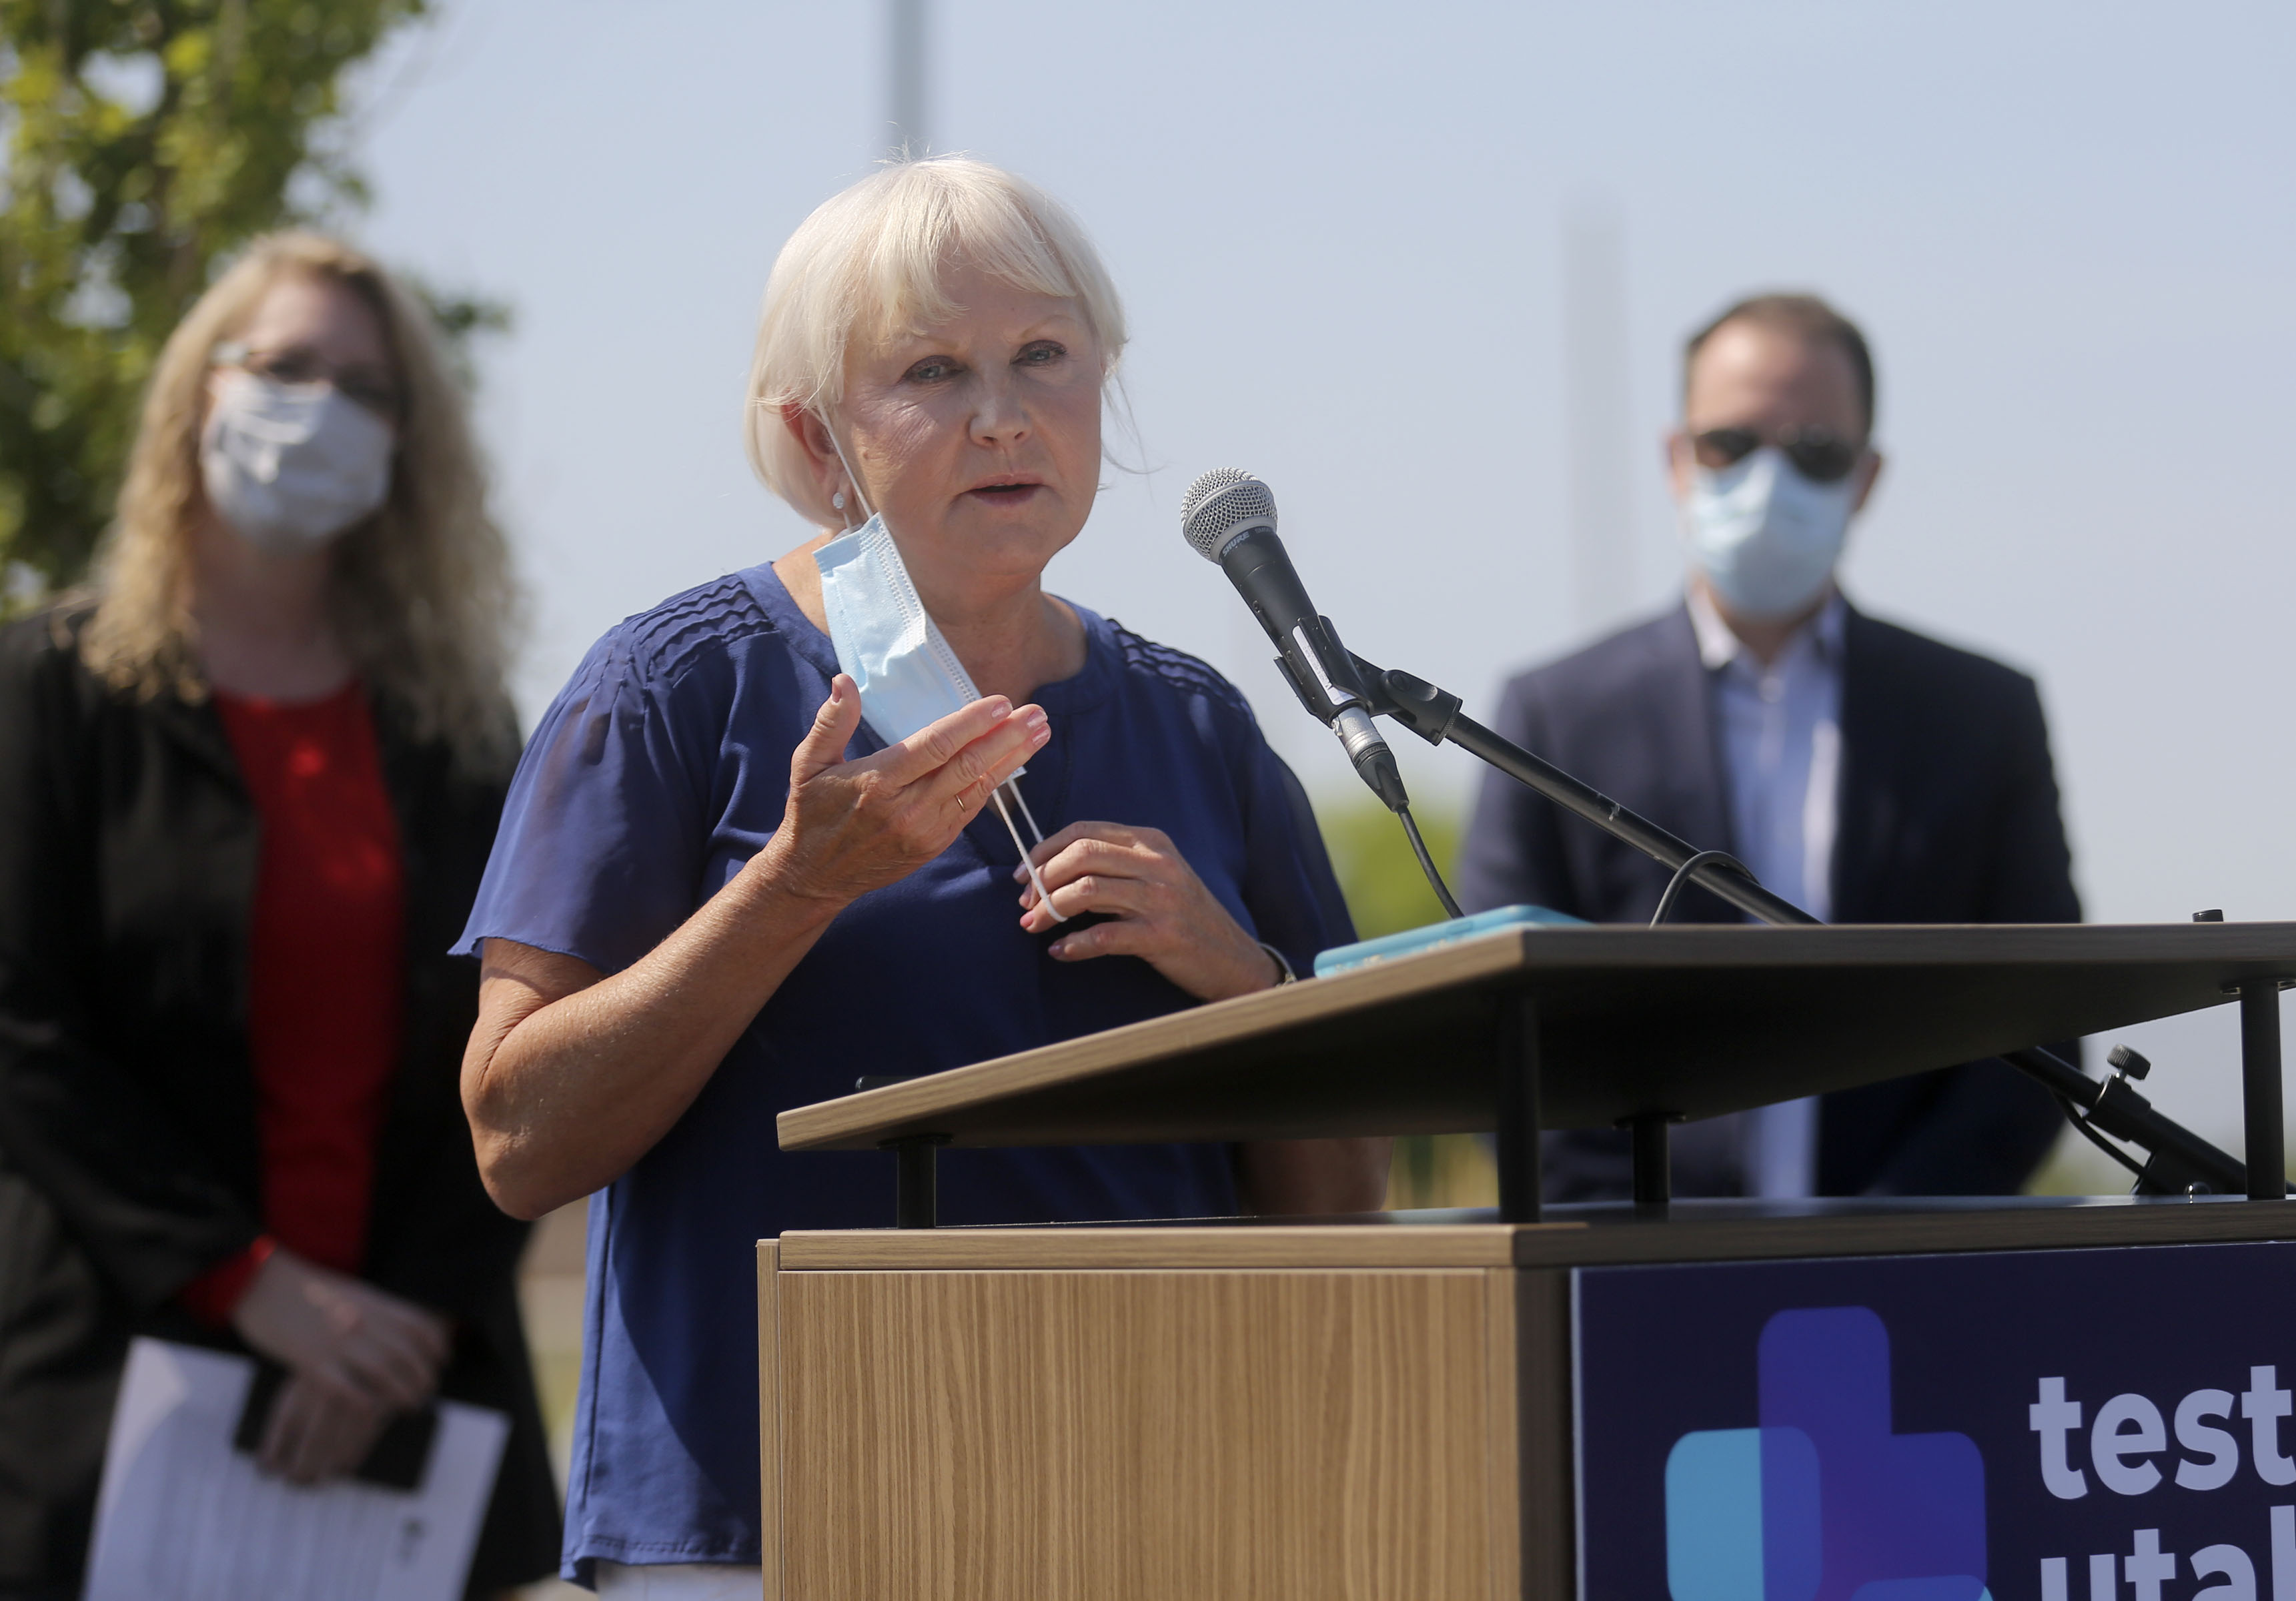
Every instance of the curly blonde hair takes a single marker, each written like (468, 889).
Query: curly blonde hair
(420, 592)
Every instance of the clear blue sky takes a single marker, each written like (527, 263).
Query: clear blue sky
(2070, 230)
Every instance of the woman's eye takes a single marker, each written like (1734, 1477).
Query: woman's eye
(291, 366)
(931, 370)
(1042, 353)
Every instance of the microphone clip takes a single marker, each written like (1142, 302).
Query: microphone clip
(1316, 667)
(1425, 708)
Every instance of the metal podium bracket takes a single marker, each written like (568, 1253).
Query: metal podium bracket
(1514, 1059)
(1653, 1149)
(2259, 1088)
(915, 1202)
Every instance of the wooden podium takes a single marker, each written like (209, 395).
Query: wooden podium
(1373, 1406)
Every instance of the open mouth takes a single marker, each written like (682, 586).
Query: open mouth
(1005, 492)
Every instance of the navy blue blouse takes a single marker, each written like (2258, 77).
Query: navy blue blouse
(659, 770)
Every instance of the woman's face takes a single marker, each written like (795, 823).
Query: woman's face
(310, 327)
(980, 440)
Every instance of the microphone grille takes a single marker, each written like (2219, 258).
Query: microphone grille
(1221, 503)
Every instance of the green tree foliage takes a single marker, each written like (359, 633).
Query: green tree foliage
(1386, 893)
(1385, 890)
(146, 141)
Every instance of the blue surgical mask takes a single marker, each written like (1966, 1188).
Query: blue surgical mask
(885, 640)
(1765, 537)
(888, 644)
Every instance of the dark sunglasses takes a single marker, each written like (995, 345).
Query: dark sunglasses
(1819, 454)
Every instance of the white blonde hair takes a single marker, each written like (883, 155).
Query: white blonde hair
(872, 261)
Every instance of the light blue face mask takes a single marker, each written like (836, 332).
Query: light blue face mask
(885, 640)
(889, 645)
(1765, 537)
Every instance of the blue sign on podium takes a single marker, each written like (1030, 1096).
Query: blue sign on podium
(2068, 1426)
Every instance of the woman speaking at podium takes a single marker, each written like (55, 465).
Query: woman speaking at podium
(732, 878)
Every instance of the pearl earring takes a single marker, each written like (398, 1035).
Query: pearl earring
(838, 500)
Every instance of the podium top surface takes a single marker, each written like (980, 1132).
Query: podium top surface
(1593, 1235)
(1695, 1021)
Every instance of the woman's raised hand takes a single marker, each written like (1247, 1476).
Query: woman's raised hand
(853, 826)
(572, 1075)
(1159, 910)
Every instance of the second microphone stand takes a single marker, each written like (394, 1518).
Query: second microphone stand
(2179, 1162)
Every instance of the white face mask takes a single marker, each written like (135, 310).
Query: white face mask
(890, 647)
(288, 466)
(1765, 537)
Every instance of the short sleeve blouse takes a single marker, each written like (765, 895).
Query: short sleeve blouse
(660, 769)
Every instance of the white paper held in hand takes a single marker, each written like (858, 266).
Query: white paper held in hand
(183, 1516)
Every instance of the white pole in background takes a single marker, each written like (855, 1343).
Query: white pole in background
(905, 62)
(1598, 424)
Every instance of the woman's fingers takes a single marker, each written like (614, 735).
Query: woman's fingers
(1121, 937)
(394, 1371)
(824, 744)
(866, 823)
(1129, 856)
(282, 1452)
(1110, 833)
(937, 744)
(321, 1428)
(316, 1447)
(988, 761)
(1092, 872)
(392, 1349)
(429, 1336)
(347, 1431)
(1159, 910)
(936, 780)
(1114, 895)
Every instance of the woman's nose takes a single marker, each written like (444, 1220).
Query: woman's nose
(998, 417)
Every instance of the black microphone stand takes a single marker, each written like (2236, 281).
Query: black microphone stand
(2180, 1162)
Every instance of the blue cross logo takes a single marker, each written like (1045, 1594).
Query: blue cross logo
(1822, 1502)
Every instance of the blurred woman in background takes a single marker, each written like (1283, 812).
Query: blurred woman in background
(248, 783)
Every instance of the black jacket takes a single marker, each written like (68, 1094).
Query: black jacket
(129, 1153)
(1948, 813)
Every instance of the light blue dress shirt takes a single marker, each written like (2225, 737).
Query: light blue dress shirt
(1780, 729)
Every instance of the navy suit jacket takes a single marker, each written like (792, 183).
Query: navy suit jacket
(1948, 813)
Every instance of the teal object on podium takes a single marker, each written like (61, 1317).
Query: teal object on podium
(1341, 957)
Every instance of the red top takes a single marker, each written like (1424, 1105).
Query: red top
(325, 968)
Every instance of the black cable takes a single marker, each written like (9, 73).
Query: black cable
(1609, 816)
(1427, 863)
(2115, 1108)
(1682, 876)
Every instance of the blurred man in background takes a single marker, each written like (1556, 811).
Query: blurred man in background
(1865, 772)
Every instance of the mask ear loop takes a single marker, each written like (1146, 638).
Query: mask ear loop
(1035, 879)
(851, 477)
(1013, 783)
